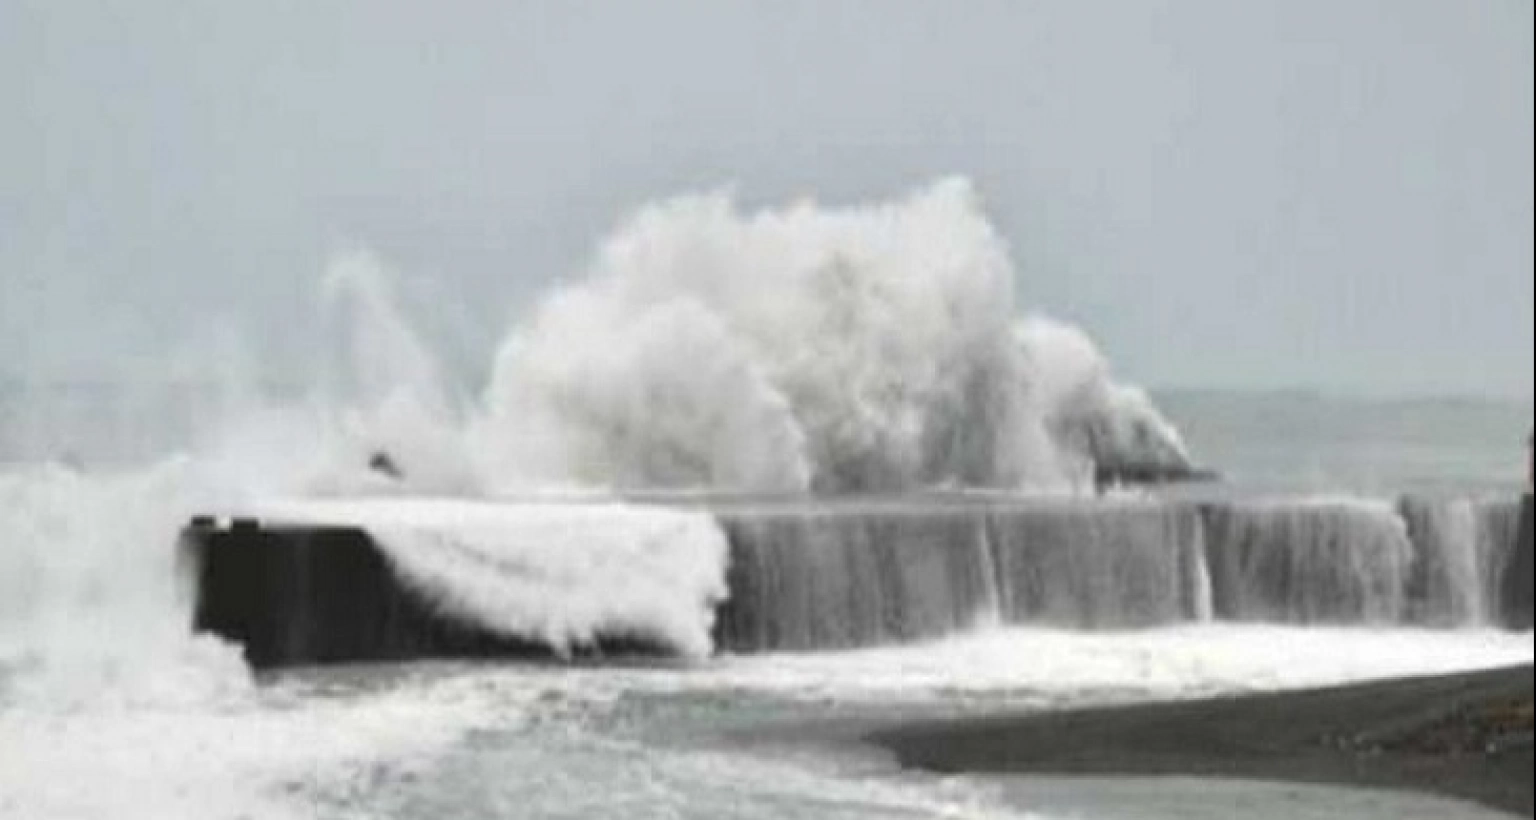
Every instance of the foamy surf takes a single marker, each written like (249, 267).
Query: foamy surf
(561, 574)
(215, 747)
(708, 347)
(860, 348)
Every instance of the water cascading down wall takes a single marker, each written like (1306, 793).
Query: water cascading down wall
(819, 579)
(850, 574)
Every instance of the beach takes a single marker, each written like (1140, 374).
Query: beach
(1466, 737)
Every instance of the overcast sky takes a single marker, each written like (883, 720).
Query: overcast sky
(1323, 193)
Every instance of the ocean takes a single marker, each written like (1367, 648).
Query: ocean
(822, 458)
(110, 708)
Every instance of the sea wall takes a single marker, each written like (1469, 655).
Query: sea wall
(301, 595)
(1515, 603)
(840, 578)
(1308, 563)
(838, 575)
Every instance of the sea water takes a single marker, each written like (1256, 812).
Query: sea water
(109, 709)
(733, 737)
(808, 351)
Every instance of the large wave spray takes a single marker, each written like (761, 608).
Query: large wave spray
(789, 350)
(855, 349)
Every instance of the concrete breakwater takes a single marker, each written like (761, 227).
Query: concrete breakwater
(1515, 594)
(846, 574)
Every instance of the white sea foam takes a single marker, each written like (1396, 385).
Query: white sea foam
(1056, 668)
(88, 565)
(860, 348)
(386, 389)
(834, 349)
(603, 724)
(1091, 417)
(111, 708)
(561, 574)
(238, 754)
(831, 349)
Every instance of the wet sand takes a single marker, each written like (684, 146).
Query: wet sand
(1466, 737)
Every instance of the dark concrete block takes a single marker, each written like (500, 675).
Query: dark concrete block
(294, 596)
(1516, 595)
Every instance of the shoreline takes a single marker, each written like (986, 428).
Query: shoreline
(1465, 737)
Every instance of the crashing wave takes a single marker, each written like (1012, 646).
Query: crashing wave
(566, 575)
(801, 349)
(1111, 426)
(807, 349)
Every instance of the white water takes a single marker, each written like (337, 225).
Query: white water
(87, 567)
(835, 349)
(788, 349)
(1085, 411)
(1316, 561)
(560, 574)
(876, 572)
(105, 719)
(462, 741)
(651, 736)
(875, 347)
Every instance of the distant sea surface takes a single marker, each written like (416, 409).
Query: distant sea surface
(1297, 442)
(1263, 442)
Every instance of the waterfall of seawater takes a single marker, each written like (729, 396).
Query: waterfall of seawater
(1095, 566)
(1446, 583)
(829, 578)
(1315, 562)
(839, 576)
(1497, 543)
(829, 352)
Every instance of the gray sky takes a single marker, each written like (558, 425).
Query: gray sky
(1318, 193)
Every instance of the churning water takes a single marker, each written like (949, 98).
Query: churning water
(906, 533)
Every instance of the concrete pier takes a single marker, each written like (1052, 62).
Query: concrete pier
(809, 576)
(293, 596)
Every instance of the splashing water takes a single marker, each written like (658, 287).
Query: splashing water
(389, 392)
(799, 349)
(791, 350)
(1091, 418)
(804, 349)
(87, 572)
(562, 574)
